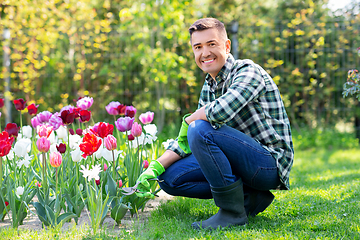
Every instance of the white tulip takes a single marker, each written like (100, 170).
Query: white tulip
(26, 131)
(22, 147)
(20, 190)
(74, 141)
(62, 132)
(76, 155)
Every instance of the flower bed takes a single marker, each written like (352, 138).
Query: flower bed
(65, 164)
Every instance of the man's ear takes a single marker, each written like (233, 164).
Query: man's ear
(228, 46)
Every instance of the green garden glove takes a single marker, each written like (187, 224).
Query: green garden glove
(182, 138)
(153, 171)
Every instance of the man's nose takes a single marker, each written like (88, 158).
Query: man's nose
(206, 52)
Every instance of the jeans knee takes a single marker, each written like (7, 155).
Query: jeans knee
(196, 129)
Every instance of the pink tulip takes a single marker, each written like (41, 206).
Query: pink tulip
(38, 184)
(110, 142)
(146, 164)
(146, 118)
(44, 130)
(112, 108)
(124, 124)
(35, 122)
(120, 183)
(136, 129)
(85, 103)
(43, 144)
(105, 167)
(55, 159)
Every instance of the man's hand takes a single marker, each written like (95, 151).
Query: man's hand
(153, 171)
(182, 137)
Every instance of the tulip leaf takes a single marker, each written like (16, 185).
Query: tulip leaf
(65, 217)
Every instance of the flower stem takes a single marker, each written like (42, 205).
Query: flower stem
(114, 167)
(44, 172)
(1, 173)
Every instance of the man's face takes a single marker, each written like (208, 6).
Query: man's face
(210, 50)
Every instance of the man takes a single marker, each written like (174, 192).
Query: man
(237, 145)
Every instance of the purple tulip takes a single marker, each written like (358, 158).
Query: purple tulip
(146, 118)
(112, 108)
(56, 121)
(44, 116)
(85, 103)
(124, 124)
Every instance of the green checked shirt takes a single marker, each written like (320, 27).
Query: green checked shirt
(244, 96)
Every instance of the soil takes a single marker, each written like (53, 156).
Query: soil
(32, 221)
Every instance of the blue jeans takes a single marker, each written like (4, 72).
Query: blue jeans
(219, 158)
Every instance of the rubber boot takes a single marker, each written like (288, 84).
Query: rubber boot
(230, 200)
(256, 201)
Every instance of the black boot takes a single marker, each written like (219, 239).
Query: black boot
(256, 201)
(230, 200)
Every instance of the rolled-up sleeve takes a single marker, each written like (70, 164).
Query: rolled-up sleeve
(174, 146)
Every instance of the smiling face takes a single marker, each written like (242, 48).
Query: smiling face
(210, 50)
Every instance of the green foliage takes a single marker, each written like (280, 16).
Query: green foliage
(323, 138)
(137, 52)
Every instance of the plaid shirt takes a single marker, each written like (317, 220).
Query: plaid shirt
(244, 96)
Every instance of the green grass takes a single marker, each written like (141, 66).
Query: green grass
(323, 203)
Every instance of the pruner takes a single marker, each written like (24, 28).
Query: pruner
(132, 190)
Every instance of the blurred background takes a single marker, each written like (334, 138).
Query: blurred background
(138, 53)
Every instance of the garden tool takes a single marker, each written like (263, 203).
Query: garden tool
(132, 190)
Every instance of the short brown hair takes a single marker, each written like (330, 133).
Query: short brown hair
(207, 23)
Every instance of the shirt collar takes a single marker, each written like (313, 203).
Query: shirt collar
(223, 73)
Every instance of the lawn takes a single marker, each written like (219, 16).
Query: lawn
(323, 203)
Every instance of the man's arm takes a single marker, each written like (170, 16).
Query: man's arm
(197, 115)
(168, 158)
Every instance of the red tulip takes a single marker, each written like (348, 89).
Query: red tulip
(121, 109)
(97, 182)
(67, 116)
(20, 104)
(131, 137)
(102, 129)
(85, 115)
(5, 143)
(6, 203)
(71, 131)
(12, 129)
(130, 111)
(32, 109)
(61, 148)
(89, 145)
(2, 100)
(79, 132)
